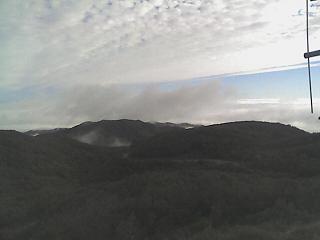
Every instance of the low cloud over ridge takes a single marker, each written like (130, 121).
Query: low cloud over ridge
(205, 103)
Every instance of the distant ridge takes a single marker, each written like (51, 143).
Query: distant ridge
(112, 133)
(227, 140)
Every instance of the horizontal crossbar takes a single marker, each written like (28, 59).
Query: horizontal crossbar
(312, 54)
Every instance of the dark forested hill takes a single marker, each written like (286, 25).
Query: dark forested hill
(111, 133)
(221, 141)
(264, 145)
(234, 181)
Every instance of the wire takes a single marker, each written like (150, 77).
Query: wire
(308, 50)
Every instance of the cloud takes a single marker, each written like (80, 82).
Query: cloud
(126, 41)
(92, 54)
(294, 111)
(258, 101)
(149, 103)
(205, 103)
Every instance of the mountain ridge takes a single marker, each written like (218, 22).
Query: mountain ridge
(226, 181)
(112, 128)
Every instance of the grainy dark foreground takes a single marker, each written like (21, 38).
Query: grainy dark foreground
(134, 180)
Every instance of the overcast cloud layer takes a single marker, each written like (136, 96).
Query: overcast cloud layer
(129, 41)
(74, 60)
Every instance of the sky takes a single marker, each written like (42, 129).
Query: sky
(200, 61)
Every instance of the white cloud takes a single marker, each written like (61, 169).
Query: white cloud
(92, 49)
(205, 103)
(258, 101)
(128, 41)
(151, 103)
(294, 111)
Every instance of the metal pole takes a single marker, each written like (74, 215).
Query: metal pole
(308, 50)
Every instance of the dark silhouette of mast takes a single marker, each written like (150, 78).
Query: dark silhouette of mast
(309, 55)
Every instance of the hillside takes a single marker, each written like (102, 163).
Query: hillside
(222, 140)
(272, 146)
(234, 181)
(111, 133)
